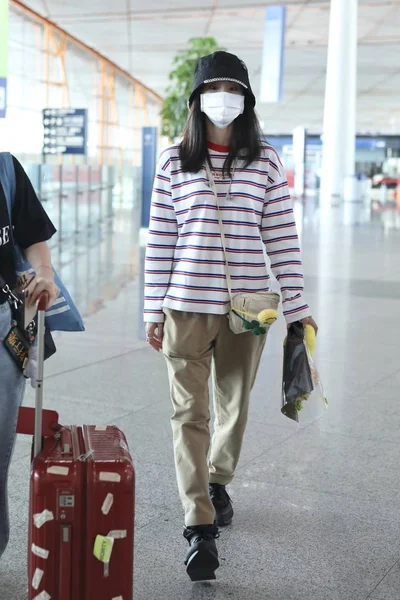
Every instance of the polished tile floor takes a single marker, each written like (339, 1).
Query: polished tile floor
(317, 506)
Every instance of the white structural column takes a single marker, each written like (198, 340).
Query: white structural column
(339, 133)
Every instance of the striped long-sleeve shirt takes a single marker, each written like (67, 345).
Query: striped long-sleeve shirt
(185, 267)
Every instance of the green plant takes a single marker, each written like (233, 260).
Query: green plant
(174, 111)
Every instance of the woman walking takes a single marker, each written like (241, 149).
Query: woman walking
(219, 196)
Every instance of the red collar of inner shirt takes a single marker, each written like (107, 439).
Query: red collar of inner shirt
(217, 147)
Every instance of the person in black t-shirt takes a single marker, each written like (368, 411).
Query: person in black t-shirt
(30, 228)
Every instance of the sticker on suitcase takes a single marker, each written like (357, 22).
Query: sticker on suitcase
(43, 596)
(111, 477)
(40, 552)
(107, 504)
(41, 518)
(103, 547)
(58, 471)
(37, 579)
(119, 534)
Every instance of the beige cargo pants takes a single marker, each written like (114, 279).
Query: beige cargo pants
(193, 345)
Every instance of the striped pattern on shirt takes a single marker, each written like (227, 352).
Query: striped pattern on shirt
(185, 268)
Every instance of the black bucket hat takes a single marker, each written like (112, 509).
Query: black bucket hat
(221, 66)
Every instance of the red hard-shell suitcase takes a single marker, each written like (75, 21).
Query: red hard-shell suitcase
(81, 525)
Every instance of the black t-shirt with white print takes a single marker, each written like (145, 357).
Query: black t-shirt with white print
(30, 223)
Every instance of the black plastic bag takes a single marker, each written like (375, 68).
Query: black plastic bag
(297, 381)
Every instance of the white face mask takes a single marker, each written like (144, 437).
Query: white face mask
(222, 108)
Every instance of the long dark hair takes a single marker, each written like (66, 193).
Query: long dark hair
(245, 143)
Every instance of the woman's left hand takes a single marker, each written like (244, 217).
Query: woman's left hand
(42, 282)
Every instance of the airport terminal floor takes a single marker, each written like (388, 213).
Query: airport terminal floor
(316, 504)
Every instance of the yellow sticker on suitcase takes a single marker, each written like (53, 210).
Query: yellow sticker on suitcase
(103, 548)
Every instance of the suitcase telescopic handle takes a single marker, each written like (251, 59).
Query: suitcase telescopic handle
(42, 305)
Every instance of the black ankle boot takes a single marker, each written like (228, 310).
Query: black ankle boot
(222, 504)
(202, 557)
